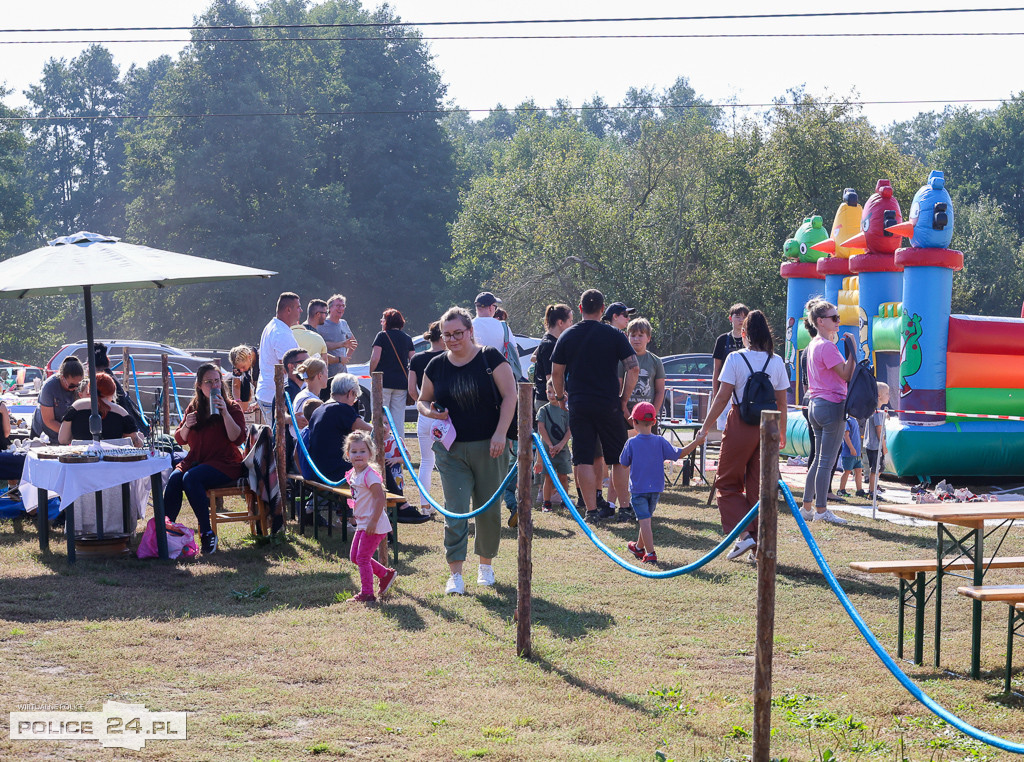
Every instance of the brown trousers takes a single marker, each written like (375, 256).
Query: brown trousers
(739, 472)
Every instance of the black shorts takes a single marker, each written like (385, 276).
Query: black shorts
(593, 428)
(872, 457)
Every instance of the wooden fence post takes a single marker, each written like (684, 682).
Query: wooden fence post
(767, 525)
(165, 377)
(524, 609)
(125, 363)
(379, 435)
(280, 435)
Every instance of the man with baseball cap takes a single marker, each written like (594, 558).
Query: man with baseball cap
(487, 328)
(618, 315)
(585, 361)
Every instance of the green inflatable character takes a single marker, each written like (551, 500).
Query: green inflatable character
(798, 248)
(910, 351)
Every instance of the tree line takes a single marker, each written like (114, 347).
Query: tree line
(374, 187)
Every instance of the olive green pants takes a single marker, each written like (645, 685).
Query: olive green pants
(470, 474)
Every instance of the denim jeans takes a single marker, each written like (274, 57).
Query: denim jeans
(193, 483)
(828, 422)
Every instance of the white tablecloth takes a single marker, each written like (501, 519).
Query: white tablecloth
(72, 480)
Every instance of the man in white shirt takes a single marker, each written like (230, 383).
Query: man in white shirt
(487, 329)
(276, 340)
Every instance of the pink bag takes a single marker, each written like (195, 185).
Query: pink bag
(181, 541)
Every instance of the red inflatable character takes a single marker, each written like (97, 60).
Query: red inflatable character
(881, 211)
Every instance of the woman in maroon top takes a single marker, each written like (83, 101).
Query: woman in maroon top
(213, 429)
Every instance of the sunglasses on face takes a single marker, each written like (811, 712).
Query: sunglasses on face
(834, 318)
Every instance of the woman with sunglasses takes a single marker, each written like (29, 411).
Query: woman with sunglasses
(827, 376)
(213, 428)
(474, 387)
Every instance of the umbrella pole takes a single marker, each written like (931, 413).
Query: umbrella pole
(95, 424)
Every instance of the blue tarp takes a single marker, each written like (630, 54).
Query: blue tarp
(15, 509)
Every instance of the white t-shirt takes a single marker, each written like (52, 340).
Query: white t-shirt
(736, 372)
(489, 332)
(277, 339)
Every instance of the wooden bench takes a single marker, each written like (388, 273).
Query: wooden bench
(913, 584)
(1012, 595)
(333, 497)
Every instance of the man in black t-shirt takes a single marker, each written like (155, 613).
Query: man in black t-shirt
(586, 362)
(727, 343)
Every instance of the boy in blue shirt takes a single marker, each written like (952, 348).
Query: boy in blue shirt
(851, 459)
(645, 454)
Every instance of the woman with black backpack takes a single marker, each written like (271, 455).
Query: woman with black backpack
(755, 379)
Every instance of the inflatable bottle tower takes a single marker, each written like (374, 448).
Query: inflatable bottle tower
(880, 278)
(802, 282)
(928, 267)
(836, 267)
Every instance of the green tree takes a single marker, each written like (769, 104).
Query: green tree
(992, 281)
(70, 156)
(982, 153)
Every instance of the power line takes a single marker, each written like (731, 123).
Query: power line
(514, 109)
(485, 22)
(698, 36)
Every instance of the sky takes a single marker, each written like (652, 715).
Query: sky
(482, 73)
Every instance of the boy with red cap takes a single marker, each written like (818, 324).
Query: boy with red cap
(646, 454)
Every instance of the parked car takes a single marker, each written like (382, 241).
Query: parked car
(688, 375)
(525, 344)
(148, 364)
(21, 377)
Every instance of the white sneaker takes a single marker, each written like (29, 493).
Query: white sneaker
(455, 585)
(807, 513)
(485, 575)
(741, 547)
(830, 517)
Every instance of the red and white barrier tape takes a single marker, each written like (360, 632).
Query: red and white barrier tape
(941, 413)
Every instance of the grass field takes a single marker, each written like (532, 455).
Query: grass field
(258, 645)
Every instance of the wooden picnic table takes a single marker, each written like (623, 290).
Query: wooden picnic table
(969, 545)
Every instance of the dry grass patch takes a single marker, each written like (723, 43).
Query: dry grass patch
(258, 645)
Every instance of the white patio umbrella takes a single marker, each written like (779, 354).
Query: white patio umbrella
(87, 262)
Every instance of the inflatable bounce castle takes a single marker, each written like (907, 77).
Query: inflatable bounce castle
(896, 302)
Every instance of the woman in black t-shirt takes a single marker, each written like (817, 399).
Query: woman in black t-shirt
(557, 317)
(417, 367)
(117, 422)
(474, 388)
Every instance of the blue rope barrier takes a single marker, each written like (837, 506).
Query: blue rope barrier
(305, 452)
(667, 574)
(937, 709)
(138, 397)
(116, 365)
(426, 494)
(174, 386)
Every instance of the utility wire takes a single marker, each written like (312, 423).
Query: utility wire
(695, 36)
(379, 24)
(515, 109)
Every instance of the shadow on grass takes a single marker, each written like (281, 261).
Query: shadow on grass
(625, 702)
(562, 622)
(237, 581)
(406, 616)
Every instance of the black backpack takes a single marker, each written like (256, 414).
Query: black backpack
(758, 393)
(862, 392)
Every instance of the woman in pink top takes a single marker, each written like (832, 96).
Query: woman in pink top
(827, 374)
(372, 523)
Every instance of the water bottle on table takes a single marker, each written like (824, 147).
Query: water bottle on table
(689, 409)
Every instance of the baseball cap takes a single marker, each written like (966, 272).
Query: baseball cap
(617, 308)
(486, 299)
(644, 411)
